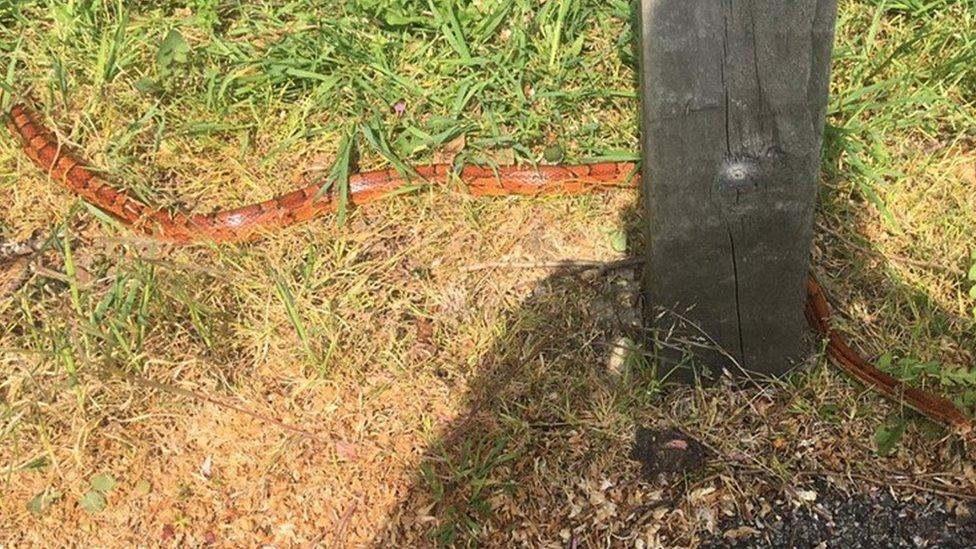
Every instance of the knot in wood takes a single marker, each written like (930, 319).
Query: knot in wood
(739, 174)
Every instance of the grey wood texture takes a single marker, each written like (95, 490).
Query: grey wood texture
(734, 99)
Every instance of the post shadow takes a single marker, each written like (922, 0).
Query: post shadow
(548, 395)
(552, 364)
(547, 407)
(548, 411)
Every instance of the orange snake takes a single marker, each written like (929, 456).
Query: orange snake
(249, 222)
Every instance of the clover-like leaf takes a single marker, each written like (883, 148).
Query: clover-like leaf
(93, 501)
(141, 488)
(103, 482)
(618, 241)
(173, 49)
(42, 501)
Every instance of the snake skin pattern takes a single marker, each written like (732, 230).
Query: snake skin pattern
(250, 222)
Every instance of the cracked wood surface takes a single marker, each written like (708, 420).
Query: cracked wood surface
(735, 96)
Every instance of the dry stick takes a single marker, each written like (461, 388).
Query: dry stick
(716, 346)
(340, 536)
(927, 487)
(574, 265)
(151, 384)
(931, 265)
(786, 482)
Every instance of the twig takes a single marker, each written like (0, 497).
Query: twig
(931, 265)
(569, 264)
(344, 522)
(897, 484)
(151, 384)
(717, 347)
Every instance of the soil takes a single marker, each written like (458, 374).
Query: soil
(667, 451)
(851, 521)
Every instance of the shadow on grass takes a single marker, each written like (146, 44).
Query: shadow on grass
(909, 319)
(551, 411)
(547, 412)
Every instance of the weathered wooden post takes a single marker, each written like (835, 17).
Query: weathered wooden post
(735, 96)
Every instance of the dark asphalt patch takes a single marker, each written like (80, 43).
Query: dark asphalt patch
(855, 521)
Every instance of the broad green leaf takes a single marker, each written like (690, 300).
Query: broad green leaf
(146, 85)
(830, 411)
(141, 488)
(553, 153)
(36, 504)
(173, 49)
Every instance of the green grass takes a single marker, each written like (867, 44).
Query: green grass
(213, 103)
(900, 137)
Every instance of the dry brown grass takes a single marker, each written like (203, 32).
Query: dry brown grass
(444, 406)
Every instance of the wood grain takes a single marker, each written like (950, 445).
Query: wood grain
(735, 95)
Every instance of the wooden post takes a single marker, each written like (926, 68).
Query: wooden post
(735, 96)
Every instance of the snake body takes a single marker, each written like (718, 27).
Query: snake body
(250, 222)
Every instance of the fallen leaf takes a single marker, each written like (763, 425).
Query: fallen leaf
(42, 501)
(701, 493)
(141, 488)
(806, 495)
(889, 435)
(677, 444)
(103, 482)
(501, 157)
(618, 241)
(425, 329)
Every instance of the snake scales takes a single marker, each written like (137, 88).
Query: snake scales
(249, 222)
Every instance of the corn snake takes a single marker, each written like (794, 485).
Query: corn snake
(251, 221)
